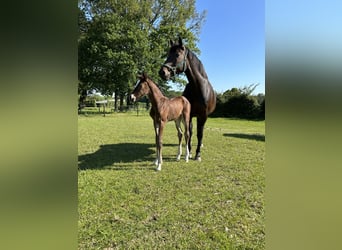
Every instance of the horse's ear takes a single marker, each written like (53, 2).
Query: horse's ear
(171, 43)
(144, 76)
(180, 42)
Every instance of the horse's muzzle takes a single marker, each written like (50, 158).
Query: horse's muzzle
(164, 73)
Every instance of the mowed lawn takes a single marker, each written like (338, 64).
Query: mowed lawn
(124, 203)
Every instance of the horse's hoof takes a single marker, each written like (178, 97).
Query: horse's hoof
(198, 158)
(159, 167)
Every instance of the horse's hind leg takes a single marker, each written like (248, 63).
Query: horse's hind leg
(180, 136)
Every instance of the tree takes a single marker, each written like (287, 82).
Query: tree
(242, 106)
(119, 39)
(230, 93)
(240, 103)
(248, 90)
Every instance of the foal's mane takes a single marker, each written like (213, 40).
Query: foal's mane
(146, 78)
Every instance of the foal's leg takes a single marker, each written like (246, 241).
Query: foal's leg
(200, 126)
(180, 136)
(156, 130)
(160, 145)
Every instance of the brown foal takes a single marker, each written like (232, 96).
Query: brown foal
(163, 110)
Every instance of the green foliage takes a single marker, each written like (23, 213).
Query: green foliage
(241, 106)
(119, 39)
(239, 103)
(173, 93)
(123, 203)
(248, 90)
(262, 110)
(228, 94)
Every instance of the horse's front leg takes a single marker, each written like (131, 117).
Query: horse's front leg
(160, 145)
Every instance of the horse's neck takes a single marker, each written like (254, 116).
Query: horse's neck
(198, 79)
(193, 72)
(155, 93)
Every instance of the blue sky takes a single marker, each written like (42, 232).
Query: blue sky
(232, 43)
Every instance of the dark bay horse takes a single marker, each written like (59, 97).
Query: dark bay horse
(163, 110)
(198, 91)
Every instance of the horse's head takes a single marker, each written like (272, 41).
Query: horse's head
(141, 88)
(176, 60)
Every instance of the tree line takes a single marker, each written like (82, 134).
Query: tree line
(119, 39)
(240, 103)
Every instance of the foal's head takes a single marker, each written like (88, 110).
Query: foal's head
(175, 62)
(141, 88)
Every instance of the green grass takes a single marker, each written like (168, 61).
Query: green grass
(214, 204)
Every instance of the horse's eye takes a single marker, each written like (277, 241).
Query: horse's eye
(177, 55)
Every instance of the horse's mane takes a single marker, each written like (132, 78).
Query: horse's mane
(198, 63)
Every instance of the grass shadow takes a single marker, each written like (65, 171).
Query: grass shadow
(123, 153)
(256, 137)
